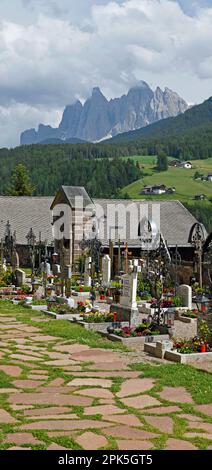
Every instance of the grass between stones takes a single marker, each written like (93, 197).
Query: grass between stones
(60, 328)
(5, 380)
(197, 382)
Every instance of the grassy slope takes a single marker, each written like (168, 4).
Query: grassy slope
(180, 178)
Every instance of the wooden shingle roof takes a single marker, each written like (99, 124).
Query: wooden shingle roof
(24, 213)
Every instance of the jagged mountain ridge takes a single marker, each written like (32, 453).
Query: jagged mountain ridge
(99, 118)
(193, 119)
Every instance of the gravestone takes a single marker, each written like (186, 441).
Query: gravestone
(87, 273)
(106, 271)
(128, 308)
(20, 277)
(185, 293)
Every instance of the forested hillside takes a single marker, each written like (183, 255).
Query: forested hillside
(188, 135)
(50, 166)
(197, 116)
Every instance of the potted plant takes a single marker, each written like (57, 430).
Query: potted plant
(205, 335)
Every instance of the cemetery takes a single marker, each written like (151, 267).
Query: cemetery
(99, 311)
(132, 306)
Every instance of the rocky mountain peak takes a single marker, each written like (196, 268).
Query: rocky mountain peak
(99, 118)
(96, 91)
(97, 95)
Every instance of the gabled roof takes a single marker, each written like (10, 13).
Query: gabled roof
(175, 220)
(155, 186)
(67, 194)
(34, 212)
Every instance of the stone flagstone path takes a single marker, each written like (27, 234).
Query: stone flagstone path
(65, 395)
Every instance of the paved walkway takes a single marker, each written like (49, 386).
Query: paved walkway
(66, 395)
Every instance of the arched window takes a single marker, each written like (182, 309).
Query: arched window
(149, 234)
(145, 229)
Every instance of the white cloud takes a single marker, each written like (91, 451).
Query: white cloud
(19, 116)
(50, 61)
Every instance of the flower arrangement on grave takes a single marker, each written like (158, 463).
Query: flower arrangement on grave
(205, 333)
(62, 309)
(168, 303)
(98, 317)
(11, 294)
(81, 307)
(189, 313)
(20, 298)
(201, 343)
(144, 329)
(143, 289)
(82, 288)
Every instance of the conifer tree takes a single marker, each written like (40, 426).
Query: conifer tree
(20, 182)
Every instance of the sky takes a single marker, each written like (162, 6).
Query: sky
(53, 52)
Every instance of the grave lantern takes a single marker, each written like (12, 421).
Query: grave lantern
(169, 317)
(203, 304)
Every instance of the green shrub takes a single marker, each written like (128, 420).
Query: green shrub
(177, 301)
